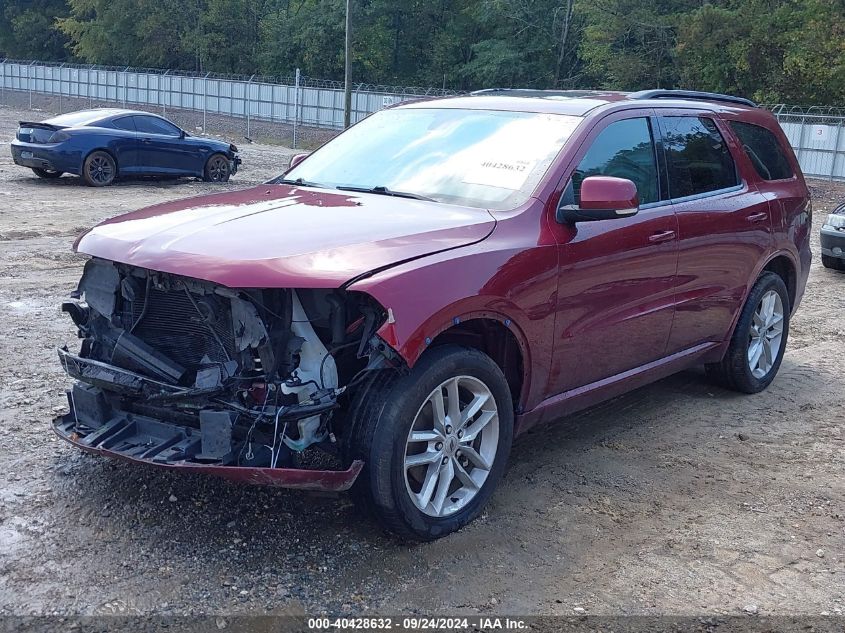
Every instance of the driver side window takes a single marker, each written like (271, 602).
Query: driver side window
(624, 149)
(154, 125)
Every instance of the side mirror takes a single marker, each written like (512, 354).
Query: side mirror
(602, 198)
(296, 159)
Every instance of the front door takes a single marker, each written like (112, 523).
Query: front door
(162, 150)
(616, 281)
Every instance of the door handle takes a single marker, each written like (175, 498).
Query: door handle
(661, 236)
(145, 140)
(758, 217)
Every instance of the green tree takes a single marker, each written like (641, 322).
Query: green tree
(28, 29)
(306, 34)
(630, 44)
(769, 50)
(814, 65)
(526, 43)
(132, 32)
(229, 35)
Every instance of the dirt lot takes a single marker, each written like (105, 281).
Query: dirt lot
(679, 498)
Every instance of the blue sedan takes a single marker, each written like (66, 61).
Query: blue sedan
(103, 144)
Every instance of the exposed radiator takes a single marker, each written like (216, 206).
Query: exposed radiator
(173, 326)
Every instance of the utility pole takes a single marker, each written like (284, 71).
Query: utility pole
(347, 89)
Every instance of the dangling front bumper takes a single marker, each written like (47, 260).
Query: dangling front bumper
(134, 439)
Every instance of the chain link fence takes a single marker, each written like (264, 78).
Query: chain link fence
(294, 104)
(304, 111)
(816, 136)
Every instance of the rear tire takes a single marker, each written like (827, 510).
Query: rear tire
(426, 476)
(834, 263)
(217, 169)
(759, 340)
(99, 169)
(47, 174)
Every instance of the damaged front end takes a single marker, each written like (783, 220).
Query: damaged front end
(248, 383)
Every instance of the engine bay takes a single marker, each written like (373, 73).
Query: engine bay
(179, 371)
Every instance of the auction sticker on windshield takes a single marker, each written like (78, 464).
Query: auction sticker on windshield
(507, 173)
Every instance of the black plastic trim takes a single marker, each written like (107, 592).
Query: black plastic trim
(690, 94)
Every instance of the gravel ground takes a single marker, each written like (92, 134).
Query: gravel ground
(679, 498)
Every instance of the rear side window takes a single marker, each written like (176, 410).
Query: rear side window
(624, 149)
(698, 157)
(764, 150)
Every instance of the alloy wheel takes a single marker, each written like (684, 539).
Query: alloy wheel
(100, 169)
(218, 168)
(451, 446)
(766, 336)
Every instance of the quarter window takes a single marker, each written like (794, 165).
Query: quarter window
(624, 149)
(698, 157)
(764, 150)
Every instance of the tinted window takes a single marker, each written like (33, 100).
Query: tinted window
(81, 118)
(154, 125)
(124, 123)
(624, 149)
(764, 150)
(699, 158)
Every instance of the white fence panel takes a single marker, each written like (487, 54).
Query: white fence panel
(818, 140)
(279, 102)
(816, 134)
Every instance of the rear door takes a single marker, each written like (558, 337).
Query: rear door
(776, 176)
(616, 277)
(162, 148)
(724, 225)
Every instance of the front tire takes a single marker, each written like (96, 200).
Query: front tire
(47, 174)
(99, 169)
(217, 169)
(759, 340)
(834, 263)
(435, 442)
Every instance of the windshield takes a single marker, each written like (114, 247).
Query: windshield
(476, 158)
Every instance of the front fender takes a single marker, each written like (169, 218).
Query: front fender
(514, 284)
(415, 322)
(419, 331)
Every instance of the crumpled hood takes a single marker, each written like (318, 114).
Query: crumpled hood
(283, 236)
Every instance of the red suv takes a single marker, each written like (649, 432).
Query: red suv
(392, 311)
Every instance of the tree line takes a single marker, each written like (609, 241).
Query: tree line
(789, 51)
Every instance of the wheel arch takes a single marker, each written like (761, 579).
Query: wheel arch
(493, 334)
(781, 263)
(212, 153)
(105, 150)
(783, 266)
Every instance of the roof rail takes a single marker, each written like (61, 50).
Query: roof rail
(690, 94)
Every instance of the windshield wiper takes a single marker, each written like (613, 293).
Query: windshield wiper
(299, 181)
(384, 191)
